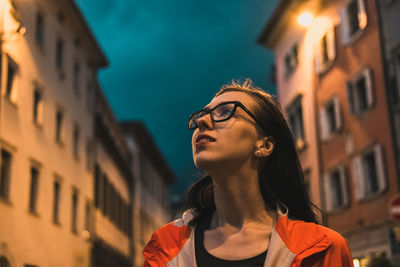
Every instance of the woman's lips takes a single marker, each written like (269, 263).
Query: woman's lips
(203, 139)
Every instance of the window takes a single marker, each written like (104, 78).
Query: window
(75, 136)
(330, 118)
(11, 88)
(89, 96)
(5, 173)
(4, 262)
(295, 116)
(325, 51)
(369, 172)
(98, 187)
(353, 20)
(291, 60)
(335, 186)
(39, 31)
(37, 106)
(74, 211)
(394, 78)
(76, 78)
(34, 190)
(56, 202)
(60, 57)
(360, 92)
(88, 217)
(59, 122)
(89, 155)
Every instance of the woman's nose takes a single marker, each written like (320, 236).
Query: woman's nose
(205, 122)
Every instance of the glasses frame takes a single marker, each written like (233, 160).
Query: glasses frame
(210, 111)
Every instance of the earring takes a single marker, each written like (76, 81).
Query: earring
(258, 153)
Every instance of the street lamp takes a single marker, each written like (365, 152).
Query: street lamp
(305, 19)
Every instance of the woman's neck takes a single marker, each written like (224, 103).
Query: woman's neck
(238, 200)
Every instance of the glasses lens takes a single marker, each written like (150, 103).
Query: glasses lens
(223, 112)
(193, 119)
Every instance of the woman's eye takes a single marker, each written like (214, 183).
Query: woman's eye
(224, 111)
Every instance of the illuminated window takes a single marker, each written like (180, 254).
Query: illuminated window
(354, 20)
(330, 118)
(295, 116)
(335, 186)
(360, 92)
(325, 51)
(368, 172)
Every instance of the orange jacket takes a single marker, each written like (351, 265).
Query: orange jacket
(292, 244)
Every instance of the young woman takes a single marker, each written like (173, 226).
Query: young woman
(252, 207)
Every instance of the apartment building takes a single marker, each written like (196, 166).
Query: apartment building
(152, 178)
(113, 191)
(56, 149)
(339, 62)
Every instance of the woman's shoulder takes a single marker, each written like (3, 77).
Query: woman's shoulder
(176, 231)
(300, 234)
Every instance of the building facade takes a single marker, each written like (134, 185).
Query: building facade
(152, 178)
(357, 174)
(66, 183)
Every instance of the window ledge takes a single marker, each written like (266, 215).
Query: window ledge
(60, 143)
(9, 101)
(326, 68)
(58, 224)
(338, 210)
(38, 125)
(372, 196)
(6, 201)
(356, 36)
(34, 214)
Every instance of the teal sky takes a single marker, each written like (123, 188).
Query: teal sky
(168, 58)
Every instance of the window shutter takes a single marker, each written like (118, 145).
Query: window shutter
(350, 96)
(331, 43)
(358, 177)
(344, 25)
(14, 88)
(367, 73)
(328, 192)
(380, 166)
(362, 14)
(338, 118)
(343, 184)
(318, 57)
(323, 124)
(40, 113)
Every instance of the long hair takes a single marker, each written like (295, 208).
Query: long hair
(280, 175)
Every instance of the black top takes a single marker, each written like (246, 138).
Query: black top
(205, 259)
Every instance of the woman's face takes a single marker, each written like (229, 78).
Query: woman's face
(228, 143)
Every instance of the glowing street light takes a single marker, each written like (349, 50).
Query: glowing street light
(305, 19)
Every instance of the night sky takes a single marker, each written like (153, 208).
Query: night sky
(168, 58)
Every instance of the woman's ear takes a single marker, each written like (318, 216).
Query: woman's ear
(264, 147)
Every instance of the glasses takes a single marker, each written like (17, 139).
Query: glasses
(222, 112)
